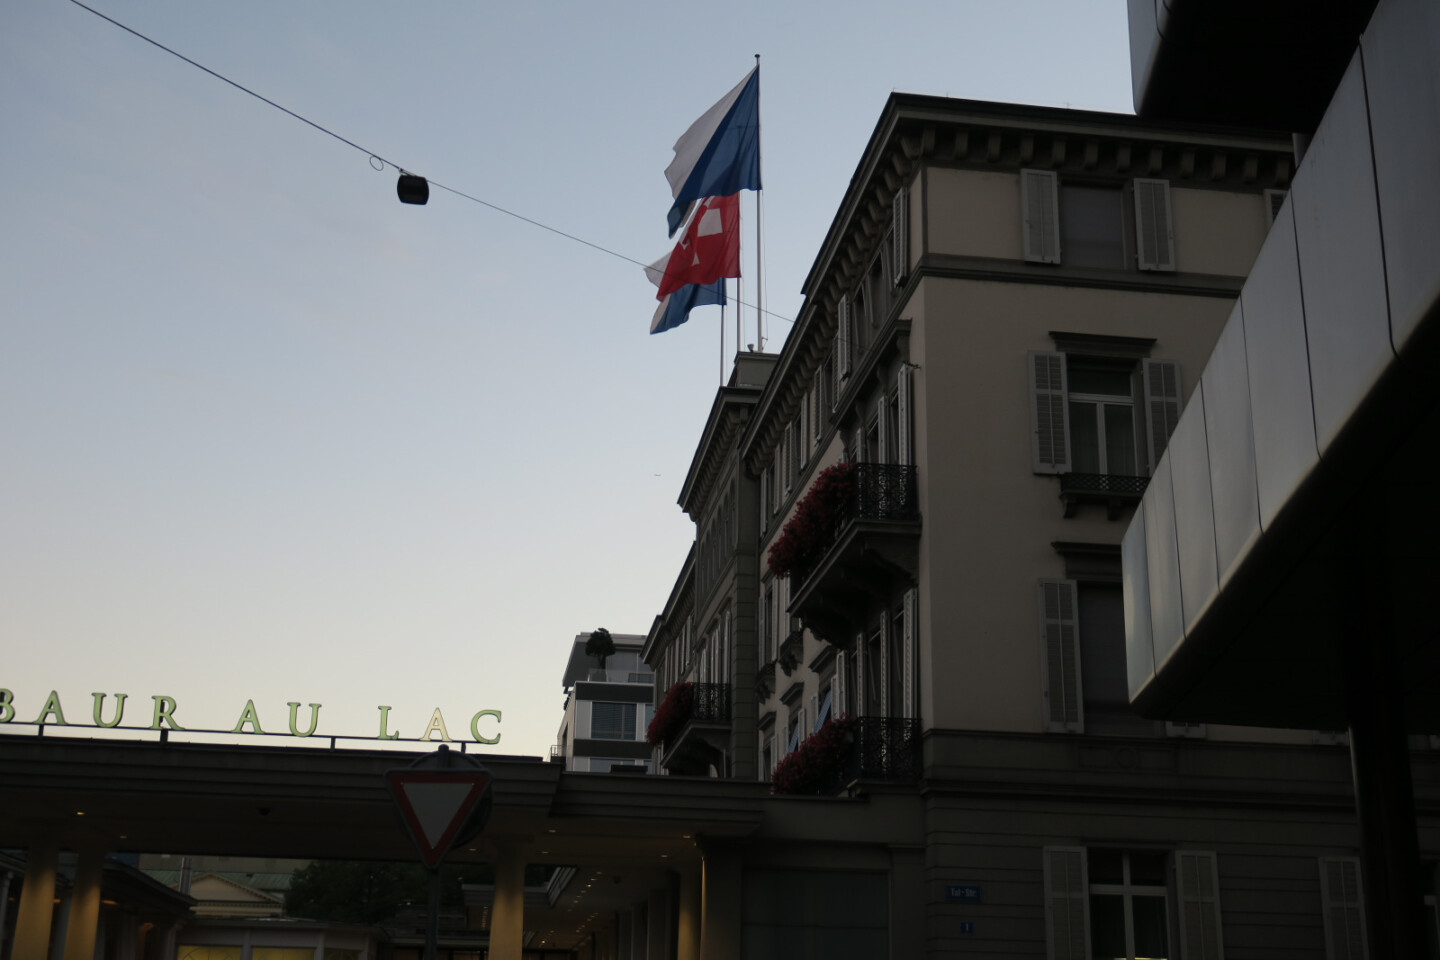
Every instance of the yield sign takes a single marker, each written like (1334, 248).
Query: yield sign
(435, 805)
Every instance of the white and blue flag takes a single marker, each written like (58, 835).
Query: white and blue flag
(720, 154)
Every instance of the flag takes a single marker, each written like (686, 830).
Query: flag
(720, 154)
(709, 247)
(675, 308)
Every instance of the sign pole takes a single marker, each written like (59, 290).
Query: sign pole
(432, 923)
(443, 799)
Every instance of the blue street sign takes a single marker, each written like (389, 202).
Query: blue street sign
(962, 893)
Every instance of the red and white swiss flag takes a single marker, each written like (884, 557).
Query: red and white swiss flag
(708, 249)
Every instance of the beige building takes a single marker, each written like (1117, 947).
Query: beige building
(922, 507)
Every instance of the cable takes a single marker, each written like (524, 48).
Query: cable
(375, 156)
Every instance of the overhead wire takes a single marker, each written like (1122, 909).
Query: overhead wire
(383, 160)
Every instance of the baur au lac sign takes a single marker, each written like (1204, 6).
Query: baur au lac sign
(163, 710)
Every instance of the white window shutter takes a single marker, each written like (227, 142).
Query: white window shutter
(1039, 203)
(1067, 904)
(1198, 883)
(1049, 413)
(817, 406)
(1274, 200)
(837, 686)
(883, 425)
(861, 676)
(900, 217)
(787, 454)
(1060, 636)
(1162, 405)
(1341, 894)
(887, 709)
(908, 659)
(1154, 230)
(902, 393)
(842, 341)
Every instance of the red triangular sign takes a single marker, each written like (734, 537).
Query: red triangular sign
(435, 804)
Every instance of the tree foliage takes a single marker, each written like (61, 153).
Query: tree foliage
(600, 645)
(369, 892)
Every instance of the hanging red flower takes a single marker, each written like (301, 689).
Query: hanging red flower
(818, 761)
(814, 516)
(672, 714)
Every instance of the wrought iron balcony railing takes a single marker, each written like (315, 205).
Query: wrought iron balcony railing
(880, 491)
(1114, 490)
(712, 703)
(1103, 483)
(885, 748)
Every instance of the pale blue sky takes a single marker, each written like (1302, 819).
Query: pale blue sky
(267, 433)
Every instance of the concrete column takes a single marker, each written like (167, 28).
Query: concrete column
(689, 923)
(507, 916)
(720, 886)
(622, 935)
(658, 936)
(37, 902)
(639, 926)
(84, 920)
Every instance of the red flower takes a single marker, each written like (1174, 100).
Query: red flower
(814, 516)
(817, 761)
(672, 714)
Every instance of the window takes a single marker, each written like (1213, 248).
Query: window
(796, 729)
(1114, 903)
(1085, 223)
(1092, 226)
(612, 721)
(1342, 899)
(1128, 909)
(1102, 418)
(1083, 418)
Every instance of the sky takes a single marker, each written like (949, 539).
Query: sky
(267, 434)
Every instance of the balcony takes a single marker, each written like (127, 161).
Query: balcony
(885, 748)
(1116, 492)
(595, 675)
(701, 735)
(849, 751)
(872, 540)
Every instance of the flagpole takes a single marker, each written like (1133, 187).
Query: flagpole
(759, 328)
(722, 339)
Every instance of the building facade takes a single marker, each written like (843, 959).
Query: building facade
(607, 709)
(1008, 316)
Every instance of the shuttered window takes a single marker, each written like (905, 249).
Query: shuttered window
(902, 416)
(910, 708)
(1274, 200)
(900, 228)
(1039, 203)
(1154, 233)
(612, 721)
(1067, 920)
(842, 342)
(1162, 405)
(1198, 883)
(1050, 446)
(1060, 640)
(1341, 894)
